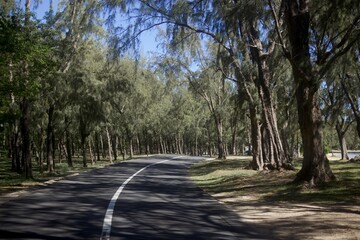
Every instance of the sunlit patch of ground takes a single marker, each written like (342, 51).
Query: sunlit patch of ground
(285, 210)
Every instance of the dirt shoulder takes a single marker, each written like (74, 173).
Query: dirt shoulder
(280, 209)
(298, 221)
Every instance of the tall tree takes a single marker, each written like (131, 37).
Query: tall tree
(309, 27)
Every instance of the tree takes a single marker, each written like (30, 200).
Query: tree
(25, 58)
(308, 28)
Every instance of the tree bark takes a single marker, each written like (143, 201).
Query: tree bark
(91, 153)
(220, 138)
(341, 136)
(257, 162)
(131, 149)
(15, 149)
(109, 144)
(68, 143)
(83, 149)
(97, 148)
(24, 121)
(25, 134)
(315, 167)
(49, 139)
(276, 155)
(114, 145)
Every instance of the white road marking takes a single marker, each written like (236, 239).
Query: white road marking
(105, 235)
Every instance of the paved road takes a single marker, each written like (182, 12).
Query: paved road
(160, 202)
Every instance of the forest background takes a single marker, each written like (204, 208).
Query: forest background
(274, 79)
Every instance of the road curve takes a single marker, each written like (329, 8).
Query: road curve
(158, 202)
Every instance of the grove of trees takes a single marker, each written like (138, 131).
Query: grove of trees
(277, 79)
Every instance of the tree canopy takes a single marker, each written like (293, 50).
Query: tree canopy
(273, 79)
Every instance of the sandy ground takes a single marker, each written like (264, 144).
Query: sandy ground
(298, 221)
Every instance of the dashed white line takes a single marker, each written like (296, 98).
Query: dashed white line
(105, 235)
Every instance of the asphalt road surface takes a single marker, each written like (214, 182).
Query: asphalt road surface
(147, 198)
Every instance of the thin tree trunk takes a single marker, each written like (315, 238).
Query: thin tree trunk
(220, 138)
(15, 149)
(24, 121)
(41, 151)
(83, 148)
(342, 141)
(68, 144)
(257, 162)
(131, 149)
(123, 147)
(53, 148)
(109, 144)
(138, 143)
(97, 148)
(91, 152)
(25, 134)
(102, 147)
(114, 145)
(49, 139)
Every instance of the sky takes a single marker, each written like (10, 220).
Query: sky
(148, 38)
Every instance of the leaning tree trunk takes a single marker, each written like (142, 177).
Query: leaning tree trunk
(354, 104)
(275, 154)
(315, 167)
(342, 141)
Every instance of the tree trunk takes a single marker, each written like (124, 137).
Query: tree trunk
(123, 148)
(24, 121)
(91, 153)
(102, 147)
(138, 143)
(342, 141)
(15, 149)
(220, 138)
(41, 151)
(131, 149)
(53, 147)
(68, 143)
(25, 134)
(315, 167)
(109, 144)
(257, 162)
(276, 155)
(114, 145)
(97, 148)
(49, 139)
(83, 149)
(162, 145)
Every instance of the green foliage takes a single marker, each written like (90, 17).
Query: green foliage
(25, 59)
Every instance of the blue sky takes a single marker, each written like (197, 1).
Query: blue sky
(148, 43)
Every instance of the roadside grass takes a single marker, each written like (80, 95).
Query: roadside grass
(11, 181)
(230, 179)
